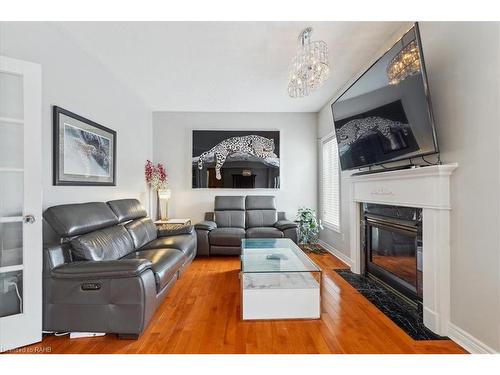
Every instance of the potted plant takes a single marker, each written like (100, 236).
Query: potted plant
(156, 178)
(309, 228)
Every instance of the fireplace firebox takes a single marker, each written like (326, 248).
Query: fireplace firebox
(392, 241)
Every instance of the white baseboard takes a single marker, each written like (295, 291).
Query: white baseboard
(431, 321)
(467, 341)
(344, 258)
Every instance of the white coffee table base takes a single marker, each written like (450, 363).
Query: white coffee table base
(280, 296)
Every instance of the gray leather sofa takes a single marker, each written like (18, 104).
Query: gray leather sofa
(110, 271)
(238, 217)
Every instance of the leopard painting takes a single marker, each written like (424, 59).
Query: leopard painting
(355, 129)
(255, 145)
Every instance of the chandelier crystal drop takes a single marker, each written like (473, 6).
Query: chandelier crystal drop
(309, 69)
(405, 64)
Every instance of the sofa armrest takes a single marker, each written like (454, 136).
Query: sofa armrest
(117, 296)
(206, 225)
(285, 224)
(282, 215)
(109, 269)
(55, 255)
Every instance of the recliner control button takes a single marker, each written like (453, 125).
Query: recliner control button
(91, 286)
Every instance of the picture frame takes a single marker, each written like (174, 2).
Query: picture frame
(235, 159)
(84, 152)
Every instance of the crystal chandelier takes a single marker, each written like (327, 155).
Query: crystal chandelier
(406, 63)
(309, 69)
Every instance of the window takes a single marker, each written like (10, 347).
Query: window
(330, 183)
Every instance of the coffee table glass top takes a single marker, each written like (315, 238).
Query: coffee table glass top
(274, 255)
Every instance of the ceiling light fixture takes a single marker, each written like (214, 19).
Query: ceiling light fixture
(309, 69)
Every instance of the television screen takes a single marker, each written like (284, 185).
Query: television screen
(386, 115)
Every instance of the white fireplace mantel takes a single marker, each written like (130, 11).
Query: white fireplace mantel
(429, 189)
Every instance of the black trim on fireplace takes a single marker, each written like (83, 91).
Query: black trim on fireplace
(394, 282)
(401, 225)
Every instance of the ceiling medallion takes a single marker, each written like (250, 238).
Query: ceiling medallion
(309, 69)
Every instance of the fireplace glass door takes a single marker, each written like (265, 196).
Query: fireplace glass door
(393, 253)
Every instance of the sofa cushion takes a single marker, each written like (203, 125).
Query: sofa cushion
(264, 232)
(142, 231)
(260, 202)
(229, 203)
(105, 244)
(164, 262)
(183, 242)
(230, 219)
(230, 211)
(226, 236)
(70, 220)
(261, 218)
(127, 209)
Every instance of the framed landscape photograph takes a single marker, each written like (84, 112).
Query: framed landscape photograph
(235, 159)
(84, 151)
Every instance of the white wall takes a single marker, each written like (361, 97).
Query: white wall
(75, 81)
(462, 61)
(172, 136)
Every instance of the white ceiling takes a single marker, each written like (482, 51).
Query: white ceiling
(225, 66)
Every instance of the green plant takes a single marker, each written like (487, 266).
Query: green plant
(309, 228)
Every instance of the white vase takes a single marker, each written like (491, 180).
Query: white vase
(152, 198)
(163, 199)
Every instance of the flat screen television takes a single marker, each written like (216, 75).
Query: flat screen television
(386, 114)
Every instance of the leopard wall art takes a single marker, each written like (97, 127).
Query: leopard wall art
(355, 129)
(255, 145)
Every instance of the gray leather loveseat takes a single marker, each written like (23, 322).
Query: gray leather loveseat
(110, 271)
(238, 217)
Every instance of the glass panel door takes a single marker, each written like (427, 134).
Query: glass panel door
(20, 204)
(11, 193)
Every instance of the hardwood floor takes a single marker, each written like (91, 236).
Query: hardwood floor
(202, 315)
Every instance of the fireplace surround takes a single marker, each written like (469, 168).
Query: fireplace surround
(426, 188)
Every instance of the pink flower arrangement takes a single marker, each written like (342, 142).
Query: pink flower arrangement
(156, 177)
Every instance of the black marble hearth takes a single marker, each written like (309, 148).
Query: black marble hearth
(406, 316)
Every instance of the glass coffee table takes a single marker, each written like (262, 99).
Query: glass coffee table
(278, 281)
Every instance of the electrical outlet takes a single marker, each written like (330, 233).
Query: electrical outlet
(7, 283)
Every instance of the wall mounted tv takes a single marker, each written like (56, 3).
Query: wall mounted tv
(386, 114)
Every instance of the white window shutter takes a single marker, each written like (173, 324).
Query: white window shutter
(330, 183)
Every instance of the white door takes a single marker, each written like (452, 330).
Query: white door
(20, 204)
